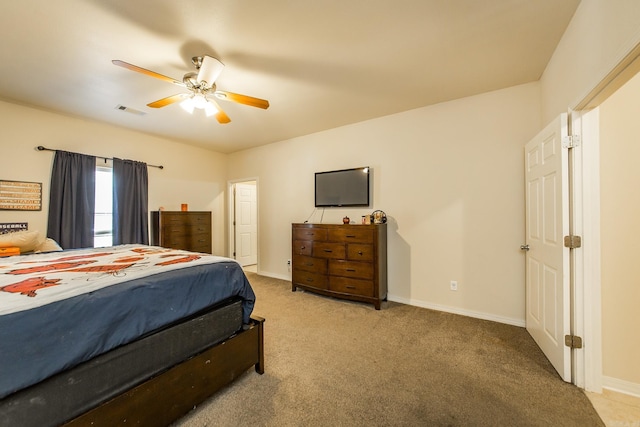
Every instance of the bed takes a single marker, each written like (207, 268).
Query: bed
(128, 334)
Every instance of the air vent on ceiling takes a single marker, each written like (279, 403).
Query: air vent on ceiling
(130, 110)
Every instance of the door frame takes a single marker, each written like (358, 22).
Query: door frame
(231, 215)
(587, 316)
(587, 298)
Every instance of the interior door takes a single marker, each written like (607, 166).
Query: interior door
(246, 221)
(547, 260)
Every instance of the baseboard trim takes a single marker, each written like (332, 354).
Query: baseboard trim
(621, 386)
(455, 310)
(274, 275)
(423, 304)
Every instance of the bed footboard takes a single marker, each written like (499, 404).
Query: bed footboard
(170, 395)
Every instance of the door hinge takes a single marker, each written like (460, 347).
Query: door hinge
(571, 141)
(572, 242)
(573, 341)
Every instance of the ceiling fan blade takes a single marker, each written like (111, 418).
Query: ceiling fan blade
(168, 100)
(242, 99)
(221, 116)
(146, 72)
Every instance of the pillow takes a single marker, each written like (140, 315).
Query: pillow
(25, 240)
(49, 245)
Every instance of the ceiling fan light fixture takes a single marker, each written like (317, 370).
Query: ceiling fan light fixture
(199, 101)
(210, 109)
(209, 70)
(188, 105)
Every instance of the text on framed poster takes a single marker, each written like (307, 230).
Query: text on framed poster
(20, 195)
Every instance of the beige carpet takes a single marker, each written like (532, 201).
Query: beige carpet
(337, 363)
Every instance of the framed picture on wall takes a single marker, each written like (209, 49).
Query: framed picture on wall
(20, 195)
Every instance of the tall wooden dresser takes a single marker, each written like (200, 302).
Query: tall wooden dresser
(343, 261)
(189, 230)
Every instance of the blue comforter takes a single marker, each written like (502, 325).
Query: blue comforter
(45, 340)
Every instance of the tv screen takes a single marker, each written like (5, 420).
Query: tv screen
(347, 187)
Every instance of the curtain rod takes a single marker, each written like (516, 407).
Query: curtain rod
(41, 148)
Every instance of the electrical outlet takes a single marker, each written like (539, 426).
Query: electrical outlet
(454, 285)
(288, 265)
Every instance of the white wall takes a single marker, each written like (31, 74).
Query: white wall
(600, 34)
(450, 179)
(191, 175)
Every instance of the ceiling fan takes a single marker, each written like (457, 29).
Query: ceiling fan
(202, 88)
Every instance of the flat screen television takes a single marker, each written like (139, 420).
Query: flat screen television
(346, 187)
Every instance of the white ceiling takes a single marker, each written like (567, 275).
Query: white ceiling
(321, 64)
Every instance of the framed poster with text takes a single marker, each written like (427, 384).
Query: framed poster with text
(20, 195)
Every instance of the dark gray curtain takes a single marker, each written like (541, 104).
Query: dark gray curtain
(72, 200)
(130, 202)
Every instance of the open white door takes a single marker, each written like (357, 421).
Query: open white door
(547, 260)
(246, 224)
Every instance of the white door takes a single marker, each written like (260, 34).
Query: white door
(246, 224)
(547, 260)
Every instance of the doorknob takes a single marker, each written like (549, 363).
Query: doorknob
(524, 247)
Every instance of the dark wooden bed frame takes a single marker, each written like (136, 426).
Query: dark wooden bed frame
(170, 395)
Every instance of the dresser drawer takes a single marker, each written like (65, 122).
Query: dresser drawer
(359, 252)
(307, 263)
(176, 242)
(204, 248)
(302, 247)
(183, 229)
(362, 270)
(185, 218)
(329, 250)
(199, 241)
(309, 233)
(351, 233)
(351, 286)
(306, 278)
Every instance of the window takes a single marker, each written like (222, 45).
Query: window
(103, 227)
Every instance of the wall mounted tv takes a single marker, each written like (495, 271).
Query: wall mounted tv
(347, 187)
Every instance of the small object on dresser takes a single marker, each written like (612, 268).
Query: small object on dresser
(346, 220)
(378, 217)
(184, 207)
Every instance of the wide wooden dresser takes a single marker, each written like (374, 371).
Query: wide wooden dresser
(342, 261)
(188, 230)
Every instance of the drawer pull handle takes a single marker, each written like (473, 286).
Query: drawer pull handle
(309, 279)
(309, 264)
(303, 247)
(350, 269)
(350, 235)
(328, 250)
(350, 287)
(359, 252)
